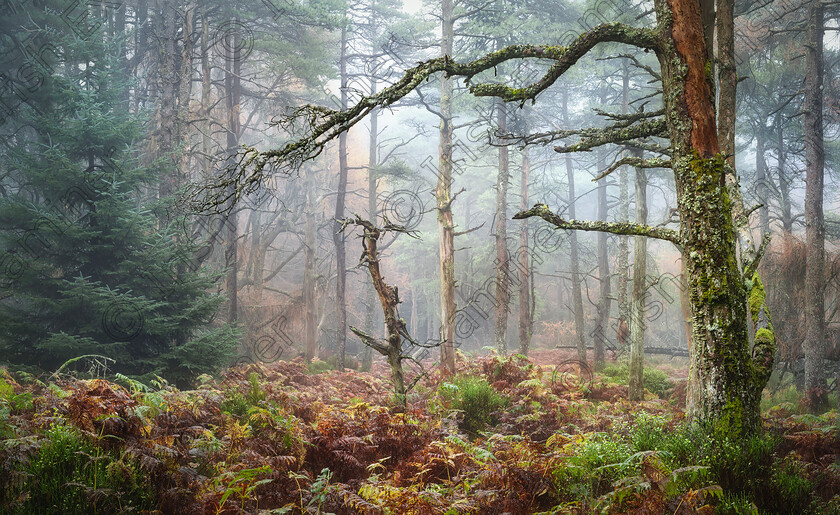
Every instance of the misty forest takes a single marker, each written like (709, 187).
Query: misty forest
(419, 256)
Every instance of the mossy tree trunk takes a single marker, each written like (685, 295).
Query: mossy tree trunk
(373, 180)
(338, 237)
(624, 216)
(309, 272)
(524, 269)
(731, 375)
(605, 293)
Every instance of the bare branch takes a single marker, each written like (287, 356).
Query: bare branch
(638, 162)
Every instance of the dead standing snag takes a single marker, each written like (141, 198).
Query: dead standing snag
(390, 347)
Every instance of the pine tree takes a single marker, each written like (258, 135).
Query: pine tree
(87, 268)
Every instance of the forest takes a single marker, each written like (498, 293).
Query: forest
(419, 256)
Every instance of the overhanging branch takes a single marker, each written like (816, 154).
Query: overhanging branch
(321, 124)
(623, 228)
(596, 137)
(638, 162)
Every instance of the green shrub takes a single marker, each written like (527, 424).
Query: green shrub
(255, 393)
(654, 380)
(475, 398)
(316, 366)
(70, 474)
(235, 404)
(593, 464)
(791, 489)
(741, 467)
(738, 504)
(647, 432)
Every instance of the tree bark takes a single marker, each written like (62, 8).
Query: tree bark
(502, 264)
(638, 319)
(389, 298)
(624, 216)
(731, 374)
(338, 236)
(373, 146)
(233, 91)
(761, 178)
(524, 269)
(443, 197)
(784, 185)
(310, 245)
(727, 76)
(605, 294)
(577, 300)
(814, 347)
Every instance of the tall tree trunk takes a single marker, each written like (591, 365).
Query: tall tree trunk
(310, 246)
(443, 197)
(185, 75)
(373, 145)
(814, 221)
(233, 68)
(577, 299)
(605, 294)
(693, 387)
(761, 179)
(524, 269)
(338, 236)
(784, 184)
(167, 78)
(502, 264)
(727, 77)
(206, 102)
(257, 256)
(637, 320)
(624, 216)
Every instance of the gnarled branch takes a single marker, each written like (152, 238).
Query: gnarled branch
(596, 137)
(638, 162)
(623, 228)
(322, 124)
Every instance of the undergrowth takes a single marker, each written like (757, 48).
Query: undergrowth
(278, 439)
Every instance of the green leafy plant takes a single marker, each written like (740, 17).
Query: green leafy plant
(243, 483)
(654, 380)
(475, 399)
(71, 474)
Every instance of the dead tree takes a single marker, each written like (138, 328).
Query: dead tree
(391, 346)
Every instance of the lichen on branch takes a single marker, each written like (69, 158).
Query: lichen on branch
(617, 134)
(252, 167)
(623, 228)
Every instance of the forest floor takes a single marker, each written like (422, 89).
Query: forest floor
(503, 436)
